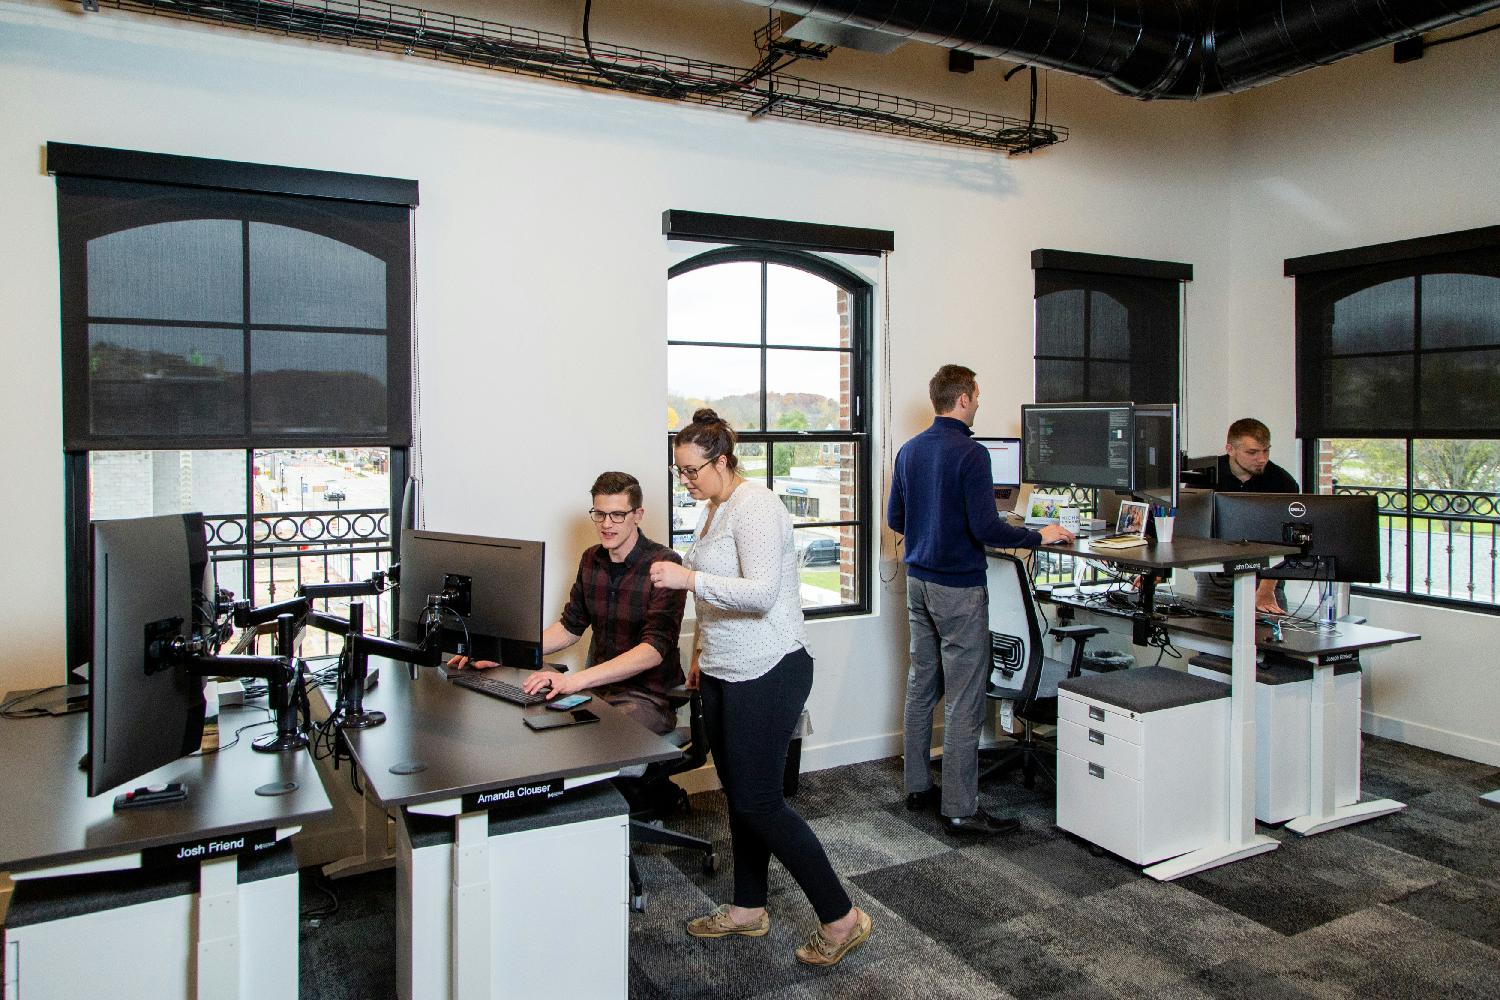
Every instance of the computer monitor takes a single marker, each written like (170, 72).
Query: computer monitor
(1078, 444)
(148, 588)
(1156, 452)
(1005, 467)
(1339, 535)
(494, 594)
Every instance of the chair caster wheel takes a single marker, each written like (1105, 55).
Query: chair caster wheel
(710, 862)
(638, 902)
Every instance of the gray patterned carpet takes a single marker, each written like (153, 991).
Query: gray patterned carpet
(1403, 906)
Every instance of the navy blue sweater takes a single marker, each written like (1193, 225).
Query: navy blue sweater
(943, 501)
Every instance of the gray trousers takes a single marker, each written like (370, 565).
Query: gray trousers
(950, 658)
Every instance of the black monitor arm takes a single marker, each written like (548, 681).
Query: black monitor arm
(355, 662)
(282, 674)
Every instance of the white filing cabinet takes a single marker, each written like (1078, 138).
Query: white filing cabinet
(557, 930)
(1283, 733)
(1141, 765)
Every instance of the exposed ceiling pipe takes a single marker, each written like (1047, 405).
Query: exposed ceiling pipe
(1151, 49)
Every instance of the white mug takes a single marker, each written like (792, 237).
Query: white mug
(1069, 519)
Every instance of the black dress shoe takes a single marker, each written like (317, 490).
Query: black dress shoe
(980, 824)
(920, 801)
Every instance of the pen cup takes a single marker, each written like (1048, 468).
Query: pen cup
(1164, 528)
(1069, 519)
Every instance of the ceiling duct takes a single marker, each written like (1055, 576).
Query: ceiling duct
(1151, 49)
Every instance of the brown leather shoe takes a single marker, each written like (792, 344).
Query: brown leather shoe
(718, 924)
(821, 951)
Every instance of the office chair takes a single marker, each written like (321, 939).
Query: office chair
(1022, 672)
(654, 796)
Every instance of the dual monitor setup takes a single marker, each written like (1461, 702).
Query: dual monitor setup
(159, 622)
(1133, 449)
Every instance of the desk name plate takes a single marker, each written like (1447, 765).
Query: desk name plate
(1348, 656)
(208, 848)
(531, 793)
(1246, 565)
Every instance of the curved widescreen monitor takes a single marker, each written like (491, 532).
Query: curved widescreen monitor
(493, 588)
(1078, 444)
(148, 581)
(1339, 535)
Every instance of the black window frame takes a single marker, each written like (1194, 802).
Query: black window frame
(861, 333)
(1332, 277)
(163, 175)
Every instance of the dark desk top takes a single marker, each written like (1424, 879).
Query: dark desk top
(471, 742)
(48, 818)
(1347, 637)
(1182, 552)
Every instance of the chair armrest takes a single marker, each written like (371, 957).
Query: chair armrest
(1077, 631)
(680, 695)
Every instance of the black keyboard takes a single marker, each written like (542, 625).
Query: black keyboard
(496, 688)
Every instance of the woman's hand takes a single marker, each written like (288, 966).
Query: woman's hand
(669, 575)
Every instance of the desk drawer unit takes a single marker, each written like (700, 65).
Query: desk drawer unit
(1283, 731)
(1160, 794)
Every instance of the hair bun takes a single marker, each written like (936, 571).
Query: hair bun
(706, 415)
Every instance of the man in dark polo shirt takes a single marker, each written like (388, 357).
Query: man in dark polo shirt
(1246, 467)
(633, 659)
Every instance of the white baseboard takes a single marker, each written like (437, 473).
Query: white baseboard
(1432, 738)
(814, 758)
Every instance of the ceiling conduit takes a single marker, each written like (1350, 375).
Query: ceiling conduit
(1152, 49)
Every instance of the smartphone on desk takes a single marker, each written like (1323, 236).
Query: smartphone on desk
(559, 720)
(572, 701)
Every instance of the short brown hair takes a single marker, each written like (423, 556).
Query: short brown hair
(614, 483)
(710, 432)
(950, 382)
(1249, 427)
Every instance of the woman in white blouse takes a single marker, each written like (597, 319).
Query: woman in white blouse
(755, 676)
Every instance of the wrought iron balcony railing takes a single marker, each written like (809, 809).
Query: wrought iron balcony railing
(264, 558)
(1437, 544)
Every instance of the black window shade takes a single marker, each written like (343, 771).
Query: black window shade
(1400, 345)
(198, 317)
(1107, 334)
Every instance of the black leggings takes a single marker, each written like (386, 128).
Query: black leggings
(750, 724)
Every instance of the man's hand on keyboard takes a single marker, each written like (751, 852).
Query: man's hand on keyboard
(555, 684)
(464, 663)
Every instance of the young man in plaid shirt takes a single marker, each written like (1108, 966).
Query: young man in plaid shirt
(633, 659)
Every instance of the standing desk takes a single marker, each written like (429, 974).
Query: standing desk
(190, 899)
(451, 754)
(1242, 560)
(1323, 651)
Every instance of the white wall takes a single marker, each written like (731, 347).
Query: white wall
(542, 278)
(1365, 152)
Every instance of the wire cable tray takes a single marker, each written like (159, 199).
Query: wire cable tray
(758, 91)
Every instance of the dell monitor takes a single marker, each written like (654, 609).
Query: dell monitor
(1089, 445)
(1339, 535)
(1156, 453)
(1005, 466)
(148, 587)
(484, 594)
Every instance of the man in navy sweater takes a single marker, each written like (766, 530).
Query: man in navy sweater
(942, 500)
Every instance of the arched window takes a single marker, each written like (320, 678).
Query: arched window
(778, 342)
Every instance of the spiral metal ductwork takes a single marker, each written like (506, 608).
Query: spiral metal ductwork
(1152, 49)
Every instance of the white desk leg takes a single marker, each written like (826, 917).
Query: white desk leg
(472, 949)
(1240, 839)
(218, 952)
(1325, 815)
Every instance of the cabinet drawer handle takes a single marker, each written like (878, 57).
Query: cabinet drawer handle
(1096, 737)
(1096, 770)
(1097, 714)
